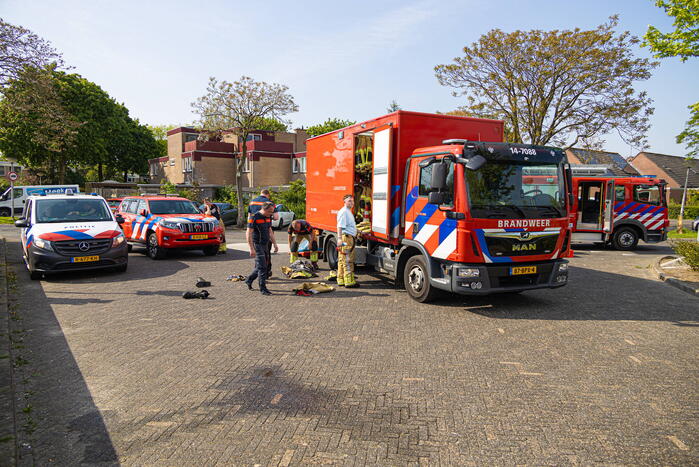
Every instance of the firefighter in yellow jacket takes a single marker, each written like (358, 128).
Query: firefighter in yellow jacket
(346, 233)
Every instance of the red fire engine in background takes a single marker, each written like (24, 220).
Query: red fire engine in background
(445, 209)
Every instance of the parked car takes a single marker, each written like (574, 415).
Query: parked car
(695, 224)
(162, 223)
(114, 203)
(70, 232)
(283, 218)
(229, 213)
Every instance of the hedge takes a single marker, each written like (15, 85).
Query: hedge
(690, 211)
(689, 250)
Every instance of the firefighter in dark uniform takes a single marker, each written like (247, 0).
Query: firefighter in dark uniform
(253, 208)
(300, 230)
(259, 234)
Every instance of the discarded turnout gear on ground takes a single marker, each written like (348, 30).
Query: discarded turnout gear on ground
(299, 269)
(236, 278)
(203, 294)
(201, 283)
(312, 288)
(332, 277)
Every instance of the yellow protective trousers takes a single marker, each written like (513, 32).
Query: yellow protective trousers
(345, 261)
(296, 242)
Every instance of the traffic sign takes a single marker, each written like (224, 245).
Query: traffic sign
(12, 176)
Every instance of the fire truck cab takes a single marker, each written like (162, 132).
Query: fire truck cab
(618, 211)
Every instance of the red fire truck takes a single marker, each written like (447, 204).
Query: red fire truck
(444, 210)
(618, 210)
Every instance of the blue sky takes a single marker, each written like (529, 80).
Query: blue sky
(346, 60)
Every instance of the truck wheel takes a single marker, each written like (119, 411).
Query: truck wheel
(153, 250)
(210, 250)
(417, 280)
(331, 252)
(626, 238)
(5, 212)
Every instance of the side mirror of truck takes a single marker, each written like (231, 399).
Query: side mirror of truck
(439, 176)
(435, 197)
(475, 163)
(143, 213)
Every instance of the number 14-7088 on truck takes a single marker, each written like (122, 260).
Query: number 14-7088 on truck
(458, 215)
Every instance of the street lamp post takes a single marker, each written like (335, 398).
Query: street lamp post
(680, 219)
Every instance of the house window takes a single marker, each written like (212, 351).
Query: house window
(154, 169)
(246, 165)
(298, 165)
(190, 137)
(254, 137)
(187, 164)
(2, 171)
(172, 162)
(294, 166)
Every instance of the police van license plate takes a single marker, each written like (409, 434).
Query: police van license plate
(84, 259)
(522, 270)
(199, 237)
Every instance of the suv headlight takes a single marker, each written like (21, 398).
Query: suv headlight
(170, 225)
(43, 244)
(563, 267)
(468, 272)
(118, 240)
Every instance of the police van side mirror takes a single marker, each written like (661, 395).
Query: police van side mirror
(21, 222)
(120, 220)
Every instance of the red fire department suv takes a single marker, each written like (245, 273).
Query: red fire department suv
(163, 222)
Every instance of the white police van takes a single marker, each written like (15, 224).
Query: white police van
(71, 232)
(18, 195)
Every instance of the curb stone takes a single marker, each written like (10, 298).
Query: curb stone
(8, 421)
(677, 283)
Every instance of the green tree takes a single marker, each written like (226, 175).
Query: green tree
(683, 42)
(241, 105)
(331, 124)
(159, 133)
(54, 120)
(271, 124)
(556, 87)
(393, 106)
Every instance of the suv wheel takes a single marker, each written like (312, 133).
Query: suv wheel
(210, 250)
(153, 250)
(417, 280)
(625, 238)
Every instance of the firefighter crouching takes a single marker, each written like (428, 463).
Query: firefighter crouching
(300, 230)
(346, 232)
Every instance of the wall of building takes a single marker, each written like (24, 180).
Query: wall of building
(268, 171)
(647, 167)
(214, 171)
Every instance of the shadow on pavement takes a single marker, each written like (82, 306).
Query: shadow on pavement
(70, 428)
(586, 297)
(642, 249)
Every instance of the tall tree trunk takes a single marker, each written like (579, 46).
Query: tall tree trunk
(61, 170)
(242, 210)
(100, 172)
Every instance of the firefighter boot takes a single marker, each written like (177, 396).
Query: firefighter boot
(293, 257)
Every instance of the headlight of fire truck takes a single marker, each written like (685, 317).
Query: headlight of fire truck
(170, 225)
(118, 240)
(43, 244)
(468, 272)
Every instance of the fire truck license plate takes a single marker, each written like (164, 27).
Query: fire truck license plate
(522, 270)
(199, 237)
(85, 259)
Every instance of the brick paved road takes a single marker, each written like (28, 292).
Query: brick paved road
(123, 370)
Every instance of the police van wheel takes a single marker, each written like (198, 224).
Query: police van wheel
(5, 212)
(153, 250)
(625, 238)
(417, 280)
(331, 252)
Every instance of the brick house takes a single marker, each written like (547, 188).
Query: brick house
(672, 169)
(613, 161)
(275, 158)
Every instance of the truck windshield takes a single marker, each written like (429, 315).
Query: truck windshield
(175, 206)
(72, 210)
(509, 189)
